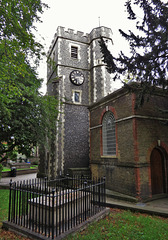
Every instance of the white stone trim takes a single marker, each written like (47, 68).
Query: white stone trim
(104, 81)
(94, 86)
(59, 51)
(141, 117)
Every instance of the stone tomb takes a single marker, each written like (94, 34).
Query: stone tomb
(67, 205)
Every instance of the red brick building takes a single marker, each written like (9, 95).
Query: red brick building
(128, 146)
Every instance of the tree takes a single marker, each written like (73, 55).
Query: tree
(148, 60)
(26, 117)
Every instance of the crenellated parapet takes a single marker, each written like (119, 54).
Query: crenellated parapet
(79, 36)
(100, 31)
(89, 57)
(69, 33)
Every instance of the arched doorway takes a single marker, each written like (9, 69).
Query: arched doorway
(158, 171)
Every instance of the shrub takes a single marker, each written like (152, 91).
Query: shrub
(34, 163)
(1, 168)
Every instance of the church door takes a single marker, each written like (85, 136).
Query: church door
(157, 172)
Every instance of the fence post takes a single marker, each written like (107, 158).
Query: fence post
(24, 201)
(40, 207)
(36, 194)
(99, 192)
(30, 205)
(63, 205)
(17, 202)
(45, 183)
(49, 208)
(85, 184)
(104, 191)
(27, 197)
(53, 192)
(45, 194)
(33, 210)
(10, 188)
(94, 196)
(67, 180)
(56, 212)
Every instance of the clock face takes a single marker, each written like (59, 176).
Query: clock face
(77, 77)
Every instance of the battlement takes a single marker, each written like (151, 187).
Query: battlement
(79, 36)
(100, 31)
(69, 34)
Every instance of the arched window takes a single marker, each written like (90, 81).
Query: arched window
(108, 134)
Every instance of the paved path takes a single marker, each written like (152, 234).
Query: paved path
(4, 182)
(158, 207)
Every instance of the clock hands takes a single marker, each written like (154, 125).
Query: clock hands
(77, 77)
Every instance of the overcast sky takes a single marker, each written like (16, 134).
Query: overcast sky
(83, 16)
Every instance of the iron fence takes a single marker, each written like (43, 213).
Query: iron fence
(53, 207)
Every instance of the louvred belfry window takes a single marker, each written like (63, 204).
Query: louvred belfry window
(74, 52)
(109, 134)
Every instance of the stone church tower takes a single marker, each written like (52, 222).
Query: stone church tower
(78, 77)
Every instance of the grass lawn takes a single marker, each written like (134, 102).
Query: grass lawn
(118, 225)
(4, 201)
(5, 169)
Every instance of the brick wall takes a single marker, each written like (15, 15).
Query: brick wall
(137, 134)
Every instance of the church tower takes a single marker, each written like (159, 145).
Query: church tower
(77, 76)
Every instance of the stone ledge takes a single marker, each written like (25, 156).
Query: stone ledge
(85, 172)
(120, 196)
(139, 207)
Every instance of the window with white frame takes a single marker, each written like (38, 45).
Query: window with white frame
(108, 134)
(76, 96)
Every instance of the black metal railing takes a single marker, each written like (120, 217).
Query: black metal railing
(54, 207)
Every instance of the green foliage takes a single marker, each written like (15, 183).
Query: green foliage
(28, 124)
(25, 115)
(1, 168)
(34, 163)
(148, 60)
